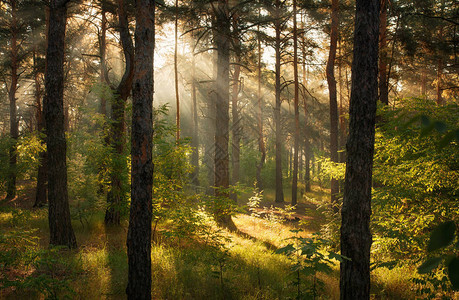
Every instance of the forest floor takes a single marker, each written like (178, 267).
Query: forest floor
(216, 265)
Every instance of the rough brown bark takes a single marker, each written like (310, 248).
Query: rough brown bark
(14, 130)
(115, 195)
(440, 63)
(60, 227)
(102, 53)
(277, 106)
(222, 43)
(296, 137)
(383, 81)
(139, 232)
(356, 211)
(330, 70)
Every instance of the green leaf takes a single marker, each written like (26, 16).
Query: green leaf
(453, 273)
(285, 250)
(333, 255)
(448, 138)
(429, 265)
(442, 236)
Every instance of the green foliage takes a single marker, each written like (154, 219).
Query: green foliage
(25, 267)
(28, 148)
(309, 257)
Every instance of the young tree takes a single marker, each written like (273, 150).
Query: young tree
(60, 227)
(115, 195)
(356, 210)
(139, 231)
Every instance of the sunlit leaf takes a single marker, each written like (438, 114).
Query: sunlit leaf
(429, 265)
(442, 236)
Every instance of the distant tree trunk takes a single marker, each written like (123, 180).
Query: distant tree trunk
(261, 142)
(209, 158)
(296, 137)
(222, 43)
(440, 63)
(139, 232)
(177, 95)
(236, 126)
(236, 129)
(102, 53)
(14, 130)
(307, 171)
(356, 210)
(195, 138)
(40, 194)
(383, 82)
(60, 227)
(334, 186)
(115, 195)
(277, 107)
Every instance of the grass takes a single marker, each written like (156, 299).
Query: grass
(233, 266)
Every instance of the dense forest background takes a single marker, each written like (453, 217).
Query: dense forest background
(228, 182)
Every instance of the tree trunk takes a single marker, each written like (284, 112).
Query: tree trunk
(334, 185)
(115, 195)
(177, 95)
(139, 232)
(195, 138)
(102, 52)
(440, 63)
(383, 81)
(307, 171)
(222, 43)
(261, 142)
(40, 194)
(236, 128)
(14, 130)
(356, 210)
(296, 137)
(277, 107)
(60, 227)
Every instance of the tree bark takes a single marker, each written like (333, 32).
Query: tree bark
(277, 106)
(40, 194)
(236, 128)
(115, 195)
(307, 171)
(14, 130)
(222, 43)
(383, 80)
(330, 70)
(356, 211)
(139, 231)
(296, 137)
(60, 227)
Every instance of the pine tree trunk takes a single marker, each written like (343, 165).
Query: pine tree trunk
(356, 211)
(222, 43)
(296, 138)
(277, 108)
(236, 129)
(261, 142)
(40, 194)
(60, 227)
(307, 171)
(195, 138)
(383, 82)
(330, 70)
(177, 95)
(14, 130)
(139, 232)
